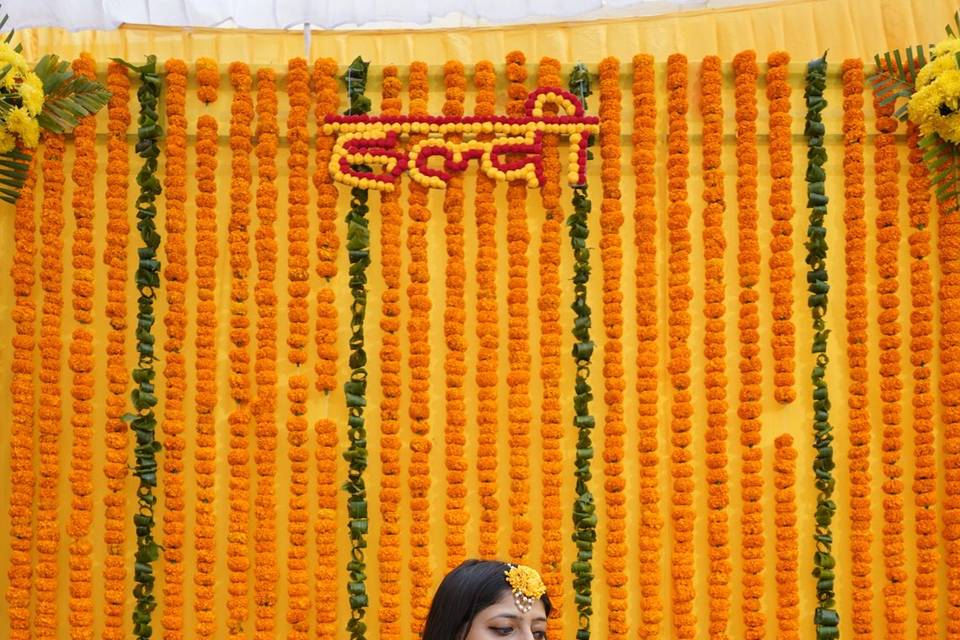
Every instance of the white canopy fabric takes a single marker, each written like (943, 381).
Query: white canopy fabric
(78, 15)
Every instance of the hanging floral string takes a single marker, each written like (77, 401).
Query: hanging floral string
(861, 535)
(418, 328)
(358, 250)
(751, 375)
(614, 428)
(298, 288)
(781, 242)
(715, 352)
(22, 476)
(645, 239)
(143, 396)
(485, 80)
(238, 563)
(328, 247)
(921, 356)
(948, 244)
(391, 220)
(785, 499)
(584, 507)
(174, 370)
(454, 314)
(81, 364)
(51, 395)
(265, 585)
(680, 294)
(826, 617)
(551, 429)
(115, 258)
(205, 255)
(518, 333)
(887, 172)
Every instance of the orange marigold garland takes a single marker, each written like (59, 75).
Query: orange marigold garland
(328, 246)
(487, 329)
(238, 562)
(418, 328)
(298, 287)
(551, 430)
(887, 169)
(265, 365)
(715, 351)
(205, 253)
(454, 316)
(391, 221)
(115, 257)
(174, 370)
(781, 242)
(680, 294)
(785, 497)
(921, 357)
(749, 403)
(50, 411)
(645, 238)
(614, 428)
(948, 244)
(518, 333)
(81, 363)
(22, 476)
(861, 535)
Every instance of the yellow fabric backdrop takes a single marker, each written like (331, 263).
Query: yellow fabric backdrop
(854, 28)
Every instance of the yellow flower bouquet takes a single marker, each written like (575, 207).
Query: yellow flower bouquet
(48, 97)
(928, 77)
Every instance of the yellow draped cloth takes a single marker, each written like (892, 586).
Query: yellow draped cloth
(804, 28)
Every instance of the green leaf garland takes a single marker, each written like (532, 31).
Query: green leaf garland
(355, 389)
(143, 421)
(584, 507)
(826, 618)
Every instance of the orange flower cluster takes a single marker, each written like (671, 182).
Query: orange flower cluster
(887, 169)
(238, 563)
(680, 294)
(81, 364)
(418, 329)
(265, 365)
(788, 595)
(921, 356)
(485, 81)
(861, 535)
(205, 254)
(614, 428)
(781, 242)
(551, 431)
(518, 332)
(328, 244)
(174, 371)
(115, 258)
(645, 238)
(298, 287)
(454, 316)
(391, 220)
(715, 351)
(22, 477)
(50, 411)
(751, 375)
(948, 244)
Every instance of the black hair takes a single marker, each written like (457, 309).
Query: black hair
(465, 592)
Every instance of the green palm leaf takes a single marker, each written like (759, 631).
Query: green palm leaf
(943, 162)
(69, 97)
(13, 173)
(896, 75)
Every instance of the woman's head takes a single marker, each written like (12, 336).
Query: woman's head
(486, 600)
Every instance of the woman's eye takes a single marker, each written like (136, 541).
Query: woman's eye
(502, 631)
(540, 635)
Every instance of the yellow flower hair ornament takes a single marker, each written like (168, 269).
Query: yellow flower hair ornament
(526, 584)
